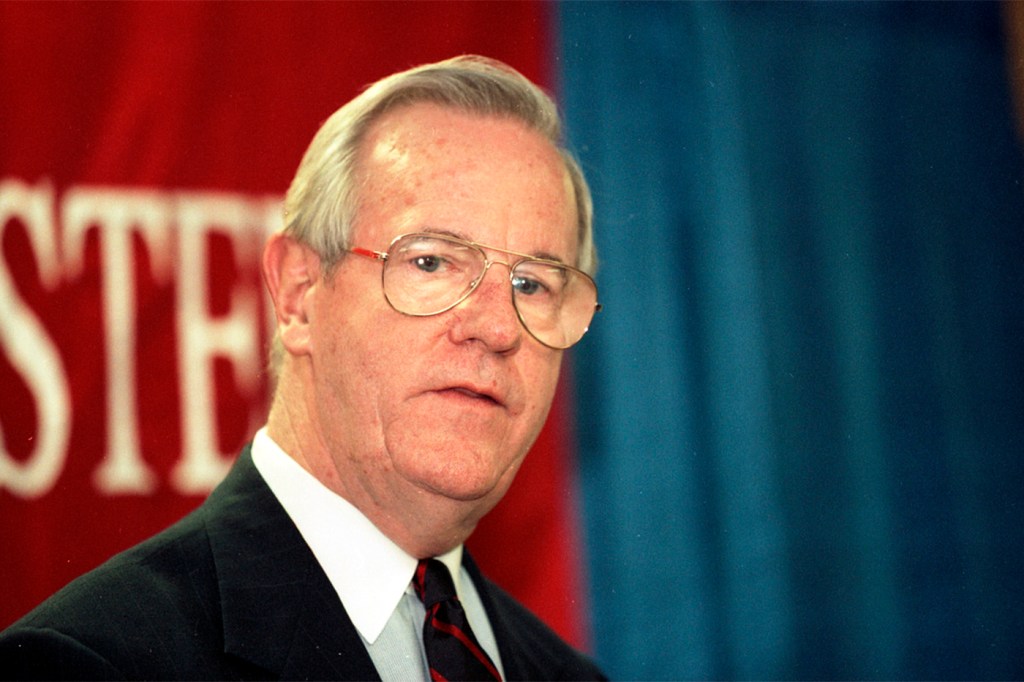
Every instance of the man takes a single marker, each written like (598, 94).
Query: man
(425, 286)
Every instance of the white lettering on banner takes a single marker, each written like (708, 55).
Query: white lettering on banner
(163, 220)
(28, 347)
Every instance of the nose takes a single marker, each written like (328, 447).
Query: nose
(488, 314)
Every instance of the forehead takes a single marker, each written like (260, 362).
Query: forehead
(428, 167)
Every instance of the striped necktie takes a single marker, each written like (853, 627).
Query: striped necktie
(452, 651)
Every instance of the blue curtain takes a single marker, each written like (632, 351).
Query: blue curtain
(801, 414)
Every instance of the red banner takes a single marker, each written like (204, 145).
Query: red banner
(144, 151)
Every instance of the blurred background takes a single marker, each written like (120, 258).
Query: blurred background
(791, 447)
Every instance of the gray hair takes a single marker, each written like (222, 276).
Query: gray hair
(320, 205)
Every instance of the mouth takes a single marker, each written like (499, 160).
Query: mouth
(463, 392)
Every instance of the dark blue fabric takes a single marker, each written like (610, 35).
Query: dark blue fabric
(801, 414)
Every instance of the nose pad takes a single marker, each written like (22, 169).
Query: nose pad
(483, 275)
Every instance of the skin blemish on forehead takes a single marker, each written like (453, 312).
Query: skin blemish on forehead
(389, 151)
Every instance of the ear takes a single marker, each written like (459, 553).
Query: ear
(291, 271)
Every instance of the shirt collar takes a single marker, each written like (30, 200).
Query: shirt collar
(369, 572)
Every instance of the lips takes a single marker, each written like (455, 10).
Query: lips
(470, 393)
(478, 395)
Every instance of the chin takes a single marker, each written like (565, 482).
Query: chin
(452, 467)
(464, 487)
(468, 482)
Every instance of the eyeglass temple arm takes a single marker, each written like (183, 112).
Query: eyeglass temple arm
(376, 255)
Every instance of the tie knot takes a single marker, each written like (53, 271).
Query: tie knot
(433, 582)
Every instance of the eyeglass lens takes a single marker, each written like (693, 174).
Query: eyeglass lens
(427, 275)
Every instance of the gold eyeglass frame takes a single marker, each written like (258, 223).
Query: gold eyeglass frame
(384, 256)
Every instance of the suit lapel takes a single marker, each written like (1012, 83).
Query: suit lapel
(279, 609)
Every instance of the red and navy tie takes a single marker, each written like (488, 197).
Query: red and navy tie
(452, 651)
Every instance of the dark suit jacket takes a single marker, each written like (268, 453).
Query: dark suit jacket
(233, 592)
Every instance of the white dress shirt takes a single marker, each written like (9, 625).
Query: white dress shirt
(371, 574)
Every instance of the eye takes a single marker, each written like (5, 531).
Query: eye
(538, 279)
(427, 263)
(527, 287)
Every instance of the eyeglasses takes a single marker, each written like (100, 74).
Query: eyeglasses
(428, 274)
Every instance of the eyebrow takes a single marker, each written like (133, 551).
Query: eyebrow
(541, 255)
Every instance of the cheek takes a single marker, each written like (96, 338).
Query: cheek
(539, 382)
(351, 370)
(542, 374)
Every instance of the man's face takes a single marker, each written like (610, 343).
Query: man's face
(421, 409)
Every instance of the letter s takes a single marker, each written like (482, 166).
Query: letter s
(29, 349)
